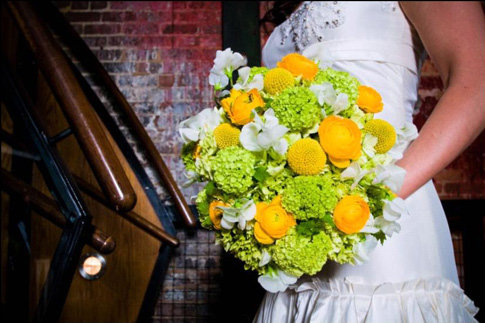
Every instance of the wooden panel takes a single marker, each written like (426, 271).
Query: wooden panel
(118, 295)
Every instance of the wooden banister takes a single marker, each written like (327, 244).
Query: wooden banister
(86, 56)
(48, 208)
(77, 109)
(131, 216)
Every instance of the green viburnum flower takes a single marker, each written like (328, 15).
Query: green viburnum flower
(257, 70)
(234, 169)
(204, 155)
(308, 197)
(299, 254)
(342, 245)
(297, 108)
(187, 155)
(202, 203)
(342, 82)
(243, 245)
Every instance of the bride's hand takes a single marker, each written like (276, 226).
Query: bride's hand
(453, 34)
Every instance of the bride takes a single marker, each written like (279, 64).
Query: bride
(412, 278)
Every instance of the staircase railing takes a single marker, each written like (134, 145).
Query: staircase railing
(77, 109)
(83, 53)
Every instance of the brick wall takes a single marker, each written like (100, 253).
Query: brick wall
(160, 54)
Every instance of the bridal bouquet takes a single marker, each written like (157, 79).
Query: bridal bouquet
(298, 170)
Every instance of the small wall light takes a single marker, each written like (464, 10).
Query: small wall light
(92, 266)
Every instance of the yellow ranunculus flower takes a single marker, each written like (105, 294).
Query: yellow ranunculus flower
(351, 214)
(298, 65)
(216, 214)
(239, 105)
(340, 138)
(369, 100)
(272, 221)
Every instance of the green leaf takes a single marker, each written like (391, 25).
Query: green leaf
(380, 236)
(203, 208)
(210, 188)
(261, 174)
(310, 228)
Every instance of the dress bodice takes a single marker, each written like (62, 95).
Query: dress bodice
(361, 30)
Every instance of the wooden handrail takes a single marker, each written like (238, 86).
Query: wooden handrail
(131, 216)
(48, 208)
(77, 109)
(86, 56)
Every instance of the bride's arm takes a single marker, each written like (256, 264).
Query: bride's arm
(454, 36)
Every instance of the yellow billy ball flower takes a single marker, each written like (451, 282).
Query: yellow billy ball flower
(226, 135)
(306, 157)
(278, 79)
(384, 132)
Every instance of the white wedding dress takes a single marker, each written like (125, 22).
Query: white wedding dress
(412, 277)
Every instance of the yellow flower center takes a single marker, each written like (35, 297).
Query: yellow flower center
(226, 135)
(306, 157)
(384, 132)
(351, 214)
(278, 79)
(369, 99)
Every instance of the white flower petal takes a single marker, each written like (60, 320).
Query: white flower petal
(256, 83)
(265, 258)
(388, 227)
(249, 136)
(391, 175)
(249, 212)
(369, 226)
(287, 278)
(272, 284)
(363, 249)
(281, 147)
(226, 224)
(340, 103)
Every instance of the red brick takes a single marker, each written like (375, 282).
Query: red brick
(95, 41)
(99, 5)
(140, 29)
(166, 80)
(80, 5)
(210, 42)
(102, 29)
(119, 5)
(211, 29)
(185, 29)
(83, 16)
(185, 41)
(119, 16)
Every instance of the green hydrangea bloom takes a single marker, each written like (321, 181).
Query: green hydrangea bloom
(301, 254)
(234, 169)
(308, 197)
(297, 108)
(342, 245)
(202, 203)
(377, 195)
(257, 70)
(243, 245)
(203, 163)
(273, 186)
(187, 155)
(342, 82)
